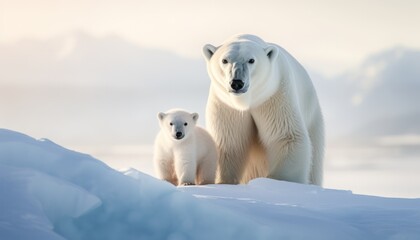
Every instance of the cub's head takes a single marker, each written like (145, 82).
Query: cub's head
(177, 124)
(241, 70)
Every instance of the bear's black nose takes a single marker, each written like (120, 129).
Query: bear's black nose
(178, 135)
(237, 84)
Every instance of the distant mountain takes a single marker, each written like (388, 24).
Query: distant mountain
(107, 86)
(80, 59)
(390, 83)
(381, 97)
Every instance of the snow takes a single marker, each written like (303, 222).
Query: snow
(49, 192)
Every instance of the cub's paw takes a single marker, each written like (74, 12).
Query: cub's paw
(186, 184)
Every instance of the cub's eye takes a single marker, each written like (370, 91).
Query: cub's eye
(251, 61)
(185, 124)
(171, 124)
(224, 61)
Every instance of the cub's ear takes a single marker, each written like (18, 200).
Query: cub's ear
(161, 116)
(194, 116)
(208, 51)
(272, 52)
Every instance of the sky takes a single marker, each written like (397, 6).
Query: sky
(331, 36)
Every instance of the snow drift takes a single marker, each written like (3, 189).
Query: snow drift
(49, 192)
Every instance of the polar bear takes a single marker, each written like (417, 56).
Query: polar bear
(263, 113)
(184, 153)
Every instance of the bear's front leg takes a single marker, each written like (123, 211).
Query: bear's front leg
(232, 131)
(289, 159)
(231, 165)
(164, 168)
(185, 168)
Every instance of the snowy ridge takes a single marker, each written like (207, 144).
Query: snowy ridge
(49, 192)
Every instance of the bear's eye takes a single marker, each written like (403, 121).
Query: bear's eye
(185, 124)
(251, 61)
(224, 61)
(171, 124)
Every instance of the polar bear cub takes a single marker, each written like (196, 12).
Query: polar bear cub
(184, 154)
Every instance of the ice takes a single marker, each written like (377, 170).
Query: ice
(107, 204)
(33, 201)
(49, 192)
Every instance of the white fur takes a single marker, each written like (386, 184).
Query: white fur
(275, 128)
(186, 161)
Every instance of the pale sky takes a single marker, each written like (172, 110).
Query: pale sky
(328, 36)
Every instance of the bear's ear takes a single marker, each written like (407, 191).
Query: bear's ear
(208, 51)
(272, 52)
(194, 116)
(161, 116)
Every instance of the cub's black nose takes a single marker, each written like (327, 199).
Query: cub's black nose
(179, 135)
(237, 84)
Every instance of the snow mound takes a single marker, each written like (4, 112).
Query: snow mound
(49, 192)
(300, 211)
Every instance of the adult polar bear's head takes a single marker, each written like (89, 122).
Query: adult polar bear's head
(243, 70)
